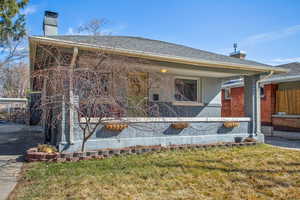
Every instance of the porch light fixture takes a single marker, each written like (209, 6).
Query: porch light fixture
(163, 70)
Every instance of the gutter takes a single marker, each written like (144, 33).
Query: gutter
(283, 79)
(266, 77)
(265, 81)
(160, 57)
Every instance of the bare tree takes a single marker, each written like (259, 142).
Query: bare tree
(99, 88)
(15, 80)
(12, 62)
(12, 52)
(93, 27)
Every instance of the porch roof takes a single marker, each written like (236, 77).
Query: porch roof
(158, 50)
(292, 75)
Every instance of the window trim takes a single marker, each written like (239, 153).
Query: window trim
(229, 96)
(262, 95)
(198, 102)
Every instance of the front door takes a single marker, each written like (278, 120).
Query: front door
(137, 94)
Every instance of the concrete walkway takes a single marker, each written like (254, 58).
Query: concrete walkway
(14, 140)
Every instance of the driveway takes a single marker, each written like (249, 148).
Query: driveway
(283, 142)
(14, 140)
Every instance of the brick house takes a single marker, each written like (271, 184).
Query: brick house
(280, 99)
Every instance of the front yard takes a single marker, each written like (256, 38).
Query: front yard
(253, 172)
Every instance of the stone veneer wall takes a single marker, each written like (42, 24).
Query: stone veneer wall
(158, 133)
(201, 130)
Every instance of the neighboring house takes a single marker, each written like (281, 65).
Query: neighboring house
(197, 74)
(280, 99)
(13, 109)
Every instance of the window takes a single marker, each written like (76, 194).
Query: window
(94, 84)
(186, 89)
(227, 93)
(262, 92)
(105, 81)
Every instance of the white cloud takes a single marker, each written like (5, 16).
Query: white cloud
(256, 39)
(270, 36)
(29, 10)
(70, 31)
(285, 60)
(73, 31)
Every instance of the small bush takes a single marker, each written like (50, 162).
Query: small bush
(231, 124)
(180, 125)
(46, 148)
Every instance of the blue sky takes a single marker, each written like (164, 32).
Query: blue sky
(268, 30)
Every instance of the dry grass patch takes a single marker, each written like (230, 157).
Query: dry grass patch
(254, 172)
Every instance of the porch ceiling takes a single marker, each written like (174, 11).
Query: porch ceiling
(192, 70)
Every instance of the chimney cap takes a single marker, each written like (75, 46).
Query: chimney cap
(49, 13)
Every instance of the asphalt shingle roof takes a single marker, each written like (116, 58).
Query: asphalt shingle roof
(294, 69)
(154, 47)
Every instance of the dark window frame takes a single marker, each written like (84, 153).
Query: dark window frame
(193, 96)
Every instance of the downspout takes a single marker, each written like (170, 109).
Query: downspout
(258, 107)
(74, 57)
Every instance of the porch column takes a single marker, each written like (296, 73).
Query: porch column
(252, 103)
(71, 93)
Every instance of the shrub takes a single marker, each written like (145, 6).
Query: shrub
(46, 148)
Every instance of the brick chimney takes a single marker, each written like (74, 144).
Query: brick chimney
(50, 23)
(237, 54)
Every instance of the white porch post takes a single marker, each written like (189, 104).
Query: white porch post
(71, 107)
(252, 103)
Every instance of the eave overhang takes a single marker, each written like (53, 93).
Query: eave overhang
(158, 57)
(240, 83)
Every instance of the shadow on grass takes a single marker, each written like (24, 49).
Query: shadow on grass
(284, 163)
(252, 175)
(233, 169)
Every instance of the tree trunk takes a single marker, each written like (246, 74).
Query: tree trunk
(83, 145)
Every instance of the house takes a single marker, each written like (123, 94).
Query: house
(280, 100)
(188, 90)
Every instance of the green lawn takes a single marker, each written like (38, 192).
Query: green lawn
(251, 172)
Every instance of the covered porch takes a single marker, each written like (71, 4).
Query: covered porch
(177, 91)
(184, 94)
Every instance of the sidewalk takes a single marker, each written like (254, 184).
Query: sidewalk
(14, 140)
(287, 135)
(9, 171)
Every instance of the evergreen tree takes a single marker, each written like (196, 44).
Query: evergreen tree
(12, 31)
(12, 22)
